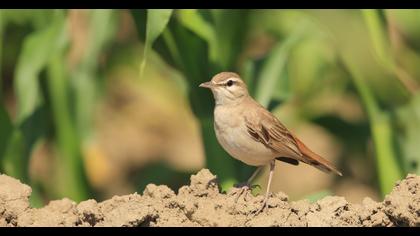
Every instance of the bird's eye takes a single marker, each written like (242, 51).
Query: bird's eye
(229, 83)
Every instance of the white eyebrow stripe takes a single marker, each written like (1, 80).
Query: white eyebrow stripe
(232, 78)
(224, 82)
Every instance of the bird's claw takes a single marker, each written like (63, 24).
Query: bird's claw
(264, 205)
(247, 185)
(244, 187)
(241, 192)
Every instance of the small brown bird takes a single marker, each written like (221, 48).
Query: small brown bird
(253, 135)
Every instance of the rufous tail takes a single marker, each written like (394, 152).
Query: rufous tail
(315, 160)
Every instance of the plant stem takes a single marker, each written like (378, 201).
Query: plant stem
(386, 159)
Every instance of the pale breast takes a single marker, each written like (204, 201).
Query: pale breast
(232, 134)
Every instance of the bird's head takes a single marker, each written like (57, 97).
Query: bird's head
(227, 88)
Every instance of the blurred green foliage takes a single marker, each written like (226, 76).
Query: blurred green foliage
(220, 36)
(41, 58)
(285, 56)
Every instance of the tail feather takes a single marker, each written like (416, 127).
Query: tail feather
(315, 160)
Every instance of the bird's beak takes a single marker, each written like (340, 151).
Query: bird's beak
(206, 85)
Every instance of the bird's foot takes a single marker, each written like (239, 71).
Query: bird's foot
(243, 189)
(247, 185)
(263, 206)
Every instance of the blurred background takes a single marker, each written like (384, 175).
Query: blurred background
(96, 103)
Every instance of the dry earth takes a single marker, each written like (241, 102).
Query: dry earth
(202, 204)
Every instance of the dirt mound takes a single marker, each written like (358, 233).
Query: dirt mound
(202, 204)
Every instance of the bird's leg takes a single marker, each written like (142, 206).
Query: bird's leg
(253, 176)
(247, 185)
(270, 177)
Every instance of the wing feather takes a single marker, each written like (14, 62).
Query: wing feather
(272, 133)
(268, 130)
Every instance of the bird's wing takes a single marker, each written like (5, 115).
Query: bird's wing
(267, 129)
(264, 127)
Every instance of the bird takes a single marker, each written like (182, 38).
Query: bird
(252, 134)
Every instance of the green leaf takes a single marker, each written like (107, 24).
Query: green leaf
(37, 49)
(2, 26)
(407, 22)
(377, 33)
(230, 28)
(173, 48)
(314, 54)
(18, 146)
(157, 19)
(192, 20)
(6, 128)
(282, 89)
(247, 73)
(13, 163)
(360, 63)
(350, 37)
(72, 174)
(408, 118)
(102, 27)
(382, 47)
(389, 170)
(388, 166)
(84, 77)
(274, 67)
(36, 17)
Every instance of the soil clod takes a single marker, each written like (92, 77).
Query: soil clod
(202, 204)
